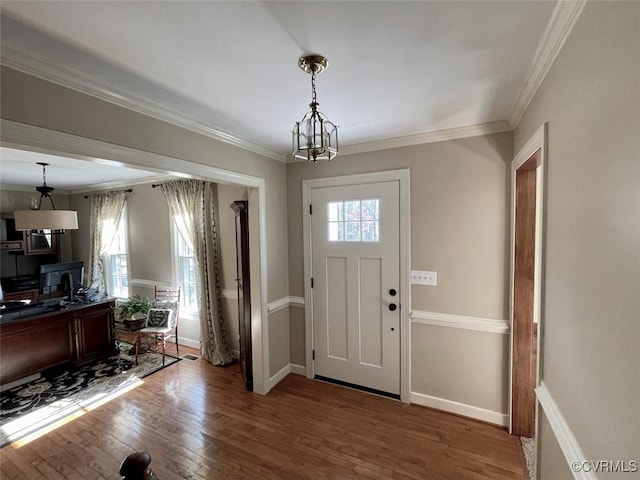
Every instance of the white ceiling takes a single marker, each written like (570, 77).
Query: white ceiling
(395, 68)
(19, 168)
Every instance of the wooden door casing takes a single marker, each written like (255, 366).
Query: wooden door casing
(524, 328)
(240, 208)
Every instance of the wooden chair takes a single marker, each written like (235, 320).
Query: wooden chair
(162, 321)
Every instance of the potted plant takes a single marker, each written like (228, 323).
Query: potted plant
(126, 310)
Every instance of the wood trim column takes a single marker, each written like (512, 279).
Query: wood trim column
(524, 330)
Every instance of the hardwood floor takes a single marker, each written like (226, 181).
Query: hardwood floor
(198, 422)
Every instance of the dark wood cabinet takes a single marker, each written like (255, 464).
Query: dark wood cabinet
(79, 334)
(31, 345)
(10, 238)
(244, 290)
(41, 242)
(95, 332)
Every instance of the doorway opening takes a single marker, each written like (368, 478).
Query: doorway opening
(36, 139)
(527, 207)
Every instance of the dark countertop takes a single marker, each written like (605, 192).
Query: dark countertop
(39, 309)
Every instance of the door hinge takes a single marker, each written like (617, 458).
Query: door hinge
(311, 282)
(313, 354)
(310, 209)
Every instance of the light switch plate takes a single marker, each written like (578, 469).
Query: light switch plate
(423, 277)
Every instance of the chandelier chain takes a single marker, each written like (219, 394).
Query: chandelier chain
(313, 87)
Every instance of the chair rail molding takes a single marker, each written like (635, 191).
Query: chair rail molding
(488, 325)
(229, 294)
(143, 282)
(285, 302)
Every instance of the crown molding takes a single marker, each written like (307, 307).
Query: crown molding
(562, 20)
(428, 137)
(117, 184)
(118, 96)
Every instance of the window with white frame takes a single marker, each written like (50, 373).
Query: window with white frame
(187, 275)
(115, 258)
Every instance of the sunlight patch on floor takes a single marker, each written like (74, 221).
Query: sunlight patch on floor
(36, 424)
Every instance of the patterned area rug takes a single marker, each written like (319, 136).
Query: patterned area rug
(69, 390)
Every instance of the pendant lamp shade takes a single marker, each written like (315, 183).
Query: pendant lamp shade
(46, 220)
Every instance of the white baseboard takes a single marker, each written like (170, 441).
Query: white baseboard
(567, 441)
(478, 413)
(298, 369)
(286, 370)
(275, 379)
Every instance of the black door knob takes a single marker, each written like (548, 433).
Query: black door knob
(392, 292)
(392, 307)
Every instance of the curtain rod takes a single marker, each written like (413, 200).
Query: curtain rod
(128, 190)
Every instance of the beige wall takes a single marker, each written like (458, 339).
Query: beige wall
(279, 356)
(149, 227)
(463, 366)
(459, 219)
(591, 331)
(554, 466)
(459, 228)
(297, 349)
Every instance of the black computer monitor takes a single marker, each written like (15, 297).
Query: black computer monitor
(61, 277)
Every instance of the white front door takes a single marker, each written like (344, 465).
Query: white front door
(355, 251)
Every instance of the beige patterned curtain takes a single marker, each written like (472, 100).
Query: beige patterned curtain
(193, 204)
(106, 208)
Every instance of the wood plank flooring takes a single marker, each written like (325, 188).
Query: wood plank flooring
(198, 422)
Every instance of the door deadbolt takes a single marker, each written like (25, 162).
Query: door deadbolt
(392, 307)
(392, 292)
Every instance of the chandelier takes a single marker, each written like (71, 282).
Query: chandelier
(315, 138)
(53, 221)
